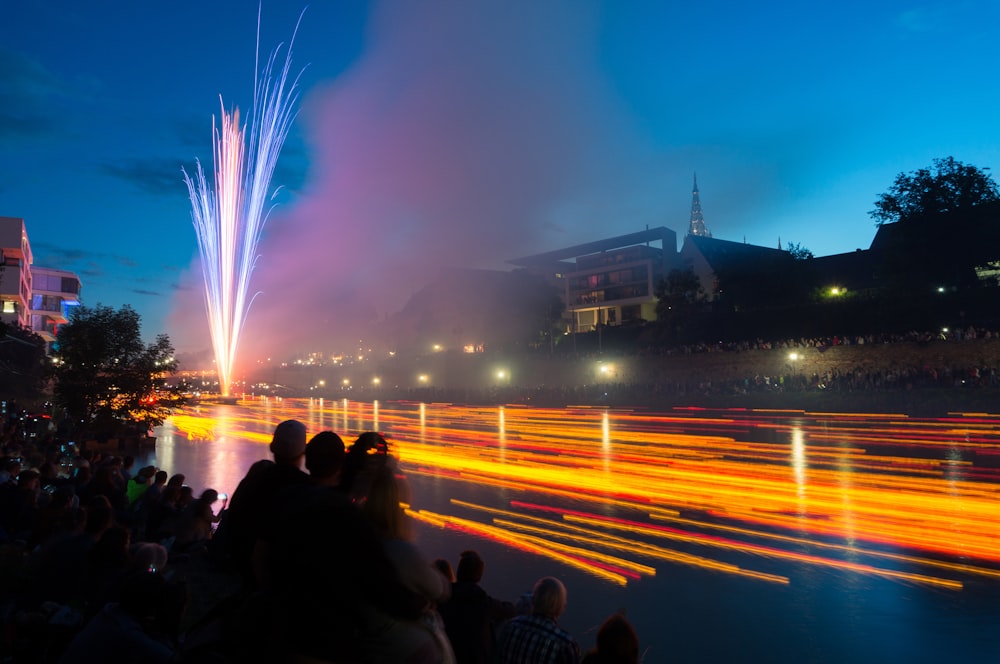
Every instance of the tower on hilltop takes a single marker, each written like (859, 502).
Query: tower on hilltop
(697, 226)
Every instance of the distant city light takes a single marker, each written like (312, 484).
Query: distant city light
(793, 356)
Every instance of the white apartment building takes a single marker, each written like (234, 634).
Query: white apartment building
(32, 296)
(53, 294)
(15, 272)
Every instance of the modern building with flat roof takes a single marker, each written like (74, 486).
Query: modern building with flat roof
(15, 274)
(611, 281)
(53, 295)
(32, 296)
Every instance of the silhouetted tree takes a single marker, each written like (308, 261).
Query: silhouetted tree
(106, 377)
(946, 187)
(678, 296)
(799, 252)
(24, 367)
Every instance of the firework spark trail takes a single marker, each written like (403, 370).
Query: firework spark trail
(229, 220)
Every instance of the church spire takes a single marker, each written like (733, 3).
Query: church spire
(697, 226)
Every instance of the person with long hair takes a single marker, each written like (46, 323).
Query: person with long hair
(617, 643)
(424, 640)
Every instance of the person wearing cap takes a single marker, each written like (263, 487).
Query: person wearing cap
(239, 527)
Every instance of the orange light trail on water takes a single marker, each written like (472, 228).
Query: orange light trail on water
(852, 493)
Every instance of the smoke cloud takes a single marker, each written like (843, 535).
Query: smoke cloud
(465, 135)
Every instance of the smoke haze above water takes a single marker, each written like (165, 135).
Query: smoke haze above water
(464, 135)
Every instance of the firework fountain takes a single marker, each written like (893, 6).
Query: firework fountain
(229, 218)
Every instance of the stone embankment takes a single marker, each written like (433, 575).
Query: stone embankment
(929, 377)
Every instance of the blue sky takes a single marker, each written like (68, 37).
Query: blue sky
(437, 134)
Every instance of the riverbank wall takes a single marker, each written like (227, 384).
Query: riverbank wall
(927, 377)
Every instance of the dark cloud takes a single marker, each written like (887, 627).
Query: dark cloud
(161, 177)
(193, 133)
(84, 263)
(140, 291)
(26, 90)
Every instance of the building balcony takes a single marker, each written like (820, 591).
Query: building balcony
(606, 304)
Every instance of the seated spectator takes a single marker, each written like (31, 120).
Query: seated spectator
(106, 482)
(470, 615)
(107, 562)
(195, 522)
(54, 513)
(185, 497)
(617, 643)
(143, 626)
(60, 566)
(126, 469)
(9, 470)
(19, 506)
(149, 557)
(529, 639)
(137, 486)
(161, 516)
(155, 489)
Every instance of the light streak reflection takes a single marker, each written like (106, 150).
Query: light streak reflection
(758, 494)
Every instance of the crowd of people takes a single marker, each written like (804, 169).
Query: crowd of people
(648, 384)
(315, 549)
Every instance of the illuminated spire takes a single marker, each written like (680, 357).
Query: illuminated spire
(697, 226)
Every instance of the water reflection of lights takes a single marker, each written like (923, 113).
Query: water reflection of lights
(913, 500)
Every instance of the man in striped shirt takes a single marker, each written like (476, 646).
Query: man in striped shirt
(536, 638)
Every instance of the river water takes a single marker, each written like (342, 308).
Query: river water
(725, 536)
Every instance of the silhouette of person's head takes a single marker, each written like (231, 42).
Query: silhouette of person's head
(470, 567)
(617, 642)
(325, 456)
(289, 442)
(549, 597)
